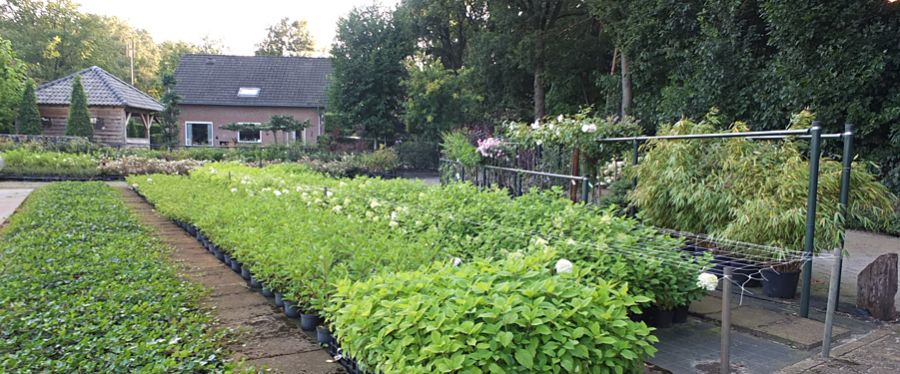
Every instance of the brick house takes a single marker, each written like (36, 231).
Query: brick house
(112, 104)
(218, 90)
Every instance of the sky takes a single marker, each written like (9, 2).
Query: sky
(238, 25)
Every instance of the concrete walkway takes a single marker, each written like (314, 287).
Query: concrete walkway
(863, 248)
(875, 353)
(10, 199)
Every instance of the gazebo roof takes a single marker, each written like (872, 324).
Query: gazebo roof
(101, 88)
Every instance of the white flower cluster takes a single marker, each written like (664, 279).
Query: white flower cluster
(563, 266)
(707, 281)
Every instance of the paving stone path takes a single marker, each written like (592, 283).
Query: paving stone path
(263, 337)
(876, 353)
(10, 199)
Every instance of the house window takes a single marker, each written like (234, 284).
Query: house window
(250, 135)
(198, 133)
(248, 92)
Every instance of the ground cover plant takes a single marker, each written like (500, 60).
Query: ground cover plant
(86, 289)
(302, 233)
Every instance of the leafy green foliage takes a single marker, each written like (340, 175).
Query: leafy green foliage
(380, 161)
(456, 147)
(12, 77)
(360, 233)
(86, 288)
(24, 162)
(28, 121)
(749, 190)
(79, 121)
(437, 99)
(511, 315)
(365, 93)
(287, 38)
(168, 119)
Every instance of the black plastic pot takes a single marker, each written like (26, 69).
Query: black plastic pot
(219, 254)
(227, 260)
(236, 266)
(308, 322)
(780, 284)
(254, 283)
(279, 299)
(680, 314)
(719, 263)
(245, 272)
(323, 335)
(266, 292)
(290, 309)
(662, 318)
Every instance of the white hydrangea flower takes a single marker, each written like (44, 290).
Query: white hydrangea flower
(707, 281)
(560, 118)
(393, 224)
(233, 190)
(134, 185)
(563, 266)
(374, 204)
(394, 215)
(588, 128)
(536, 125)
(149, 180)
(515, 255)
(277, 193)
(457, 261)
(337, 208)
(328, 193)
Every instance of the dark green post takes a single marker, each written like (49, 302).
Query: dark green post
(585, 190)
(634, 161)
(845, 194)
(518, 184)
(462, 173)
(809, 240)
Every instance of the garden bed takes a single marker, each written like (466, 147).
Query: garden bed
(88, 289)
(298, 234)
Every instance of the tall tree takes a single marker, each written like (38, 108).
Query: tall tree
(79, 121)
(28, 122)
(12, 75)
(287, 38)
(365, 94)
(168, 119)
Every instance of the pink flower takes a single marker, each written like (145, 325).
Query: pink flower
(490, 147)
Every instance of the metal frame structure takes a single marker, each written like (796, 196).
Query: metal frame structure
(815, 136)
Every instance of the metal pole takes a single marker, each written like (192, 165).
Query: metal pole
(809, 240)
(725, 344)
(833, 289)
(634, 161)
(584, 190)
(845, 194)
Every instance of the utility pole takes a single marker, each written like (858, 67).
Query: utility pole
(130, 50)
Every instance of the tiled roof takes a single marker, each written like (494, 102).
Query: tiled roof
(297, 82)
(101, 88)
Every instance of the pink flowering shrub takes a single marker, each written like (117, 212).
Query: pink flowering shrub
(491, 147)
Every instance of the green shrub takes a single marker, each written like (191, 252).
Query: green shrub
(381, 161)
(456, 147)
(79, 121)
(24, 162)
(512, 315)
(29, 118)
(418, 154)
(86, 289)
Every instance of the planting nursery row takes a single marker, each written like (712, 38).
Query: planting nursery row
(86, 289)
(423, 279)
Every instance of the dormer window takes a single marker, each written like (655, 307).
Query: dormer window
(248, 92)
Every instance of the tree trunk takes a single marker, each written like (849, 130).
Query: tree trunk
(573, 187)
(539, 76)
(626, 86)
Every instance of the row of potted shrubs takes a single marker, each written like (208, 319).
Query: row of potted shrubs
(331, 245)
